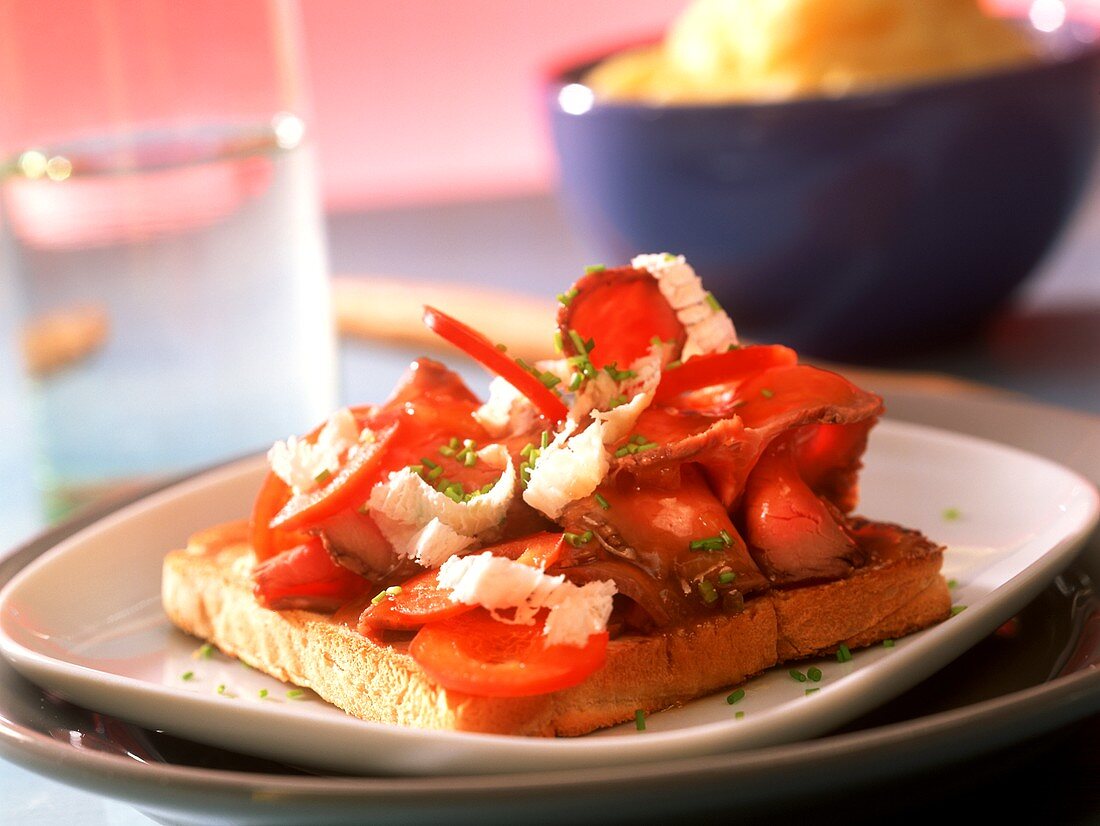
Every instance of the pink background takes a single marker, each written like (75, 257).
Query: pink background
(420, 100)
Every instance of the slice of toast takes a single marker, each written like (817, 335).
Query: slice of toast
(207, 592)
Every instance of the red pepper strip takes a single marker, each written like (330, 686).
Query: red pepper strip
(348, 488)
(722, 368)
(476, 654)
(273, 495)
(479, 348)
(542, 551)
(305, 577)
(422, 599)
(620, 310)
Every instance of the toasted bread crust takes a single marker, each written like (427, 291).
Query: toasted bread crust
(207, 592)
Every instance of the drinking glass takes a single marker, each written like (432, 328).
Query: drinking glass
(162, 227)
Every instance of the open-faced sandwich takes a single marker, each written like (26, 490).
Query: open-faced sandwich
(656, 515)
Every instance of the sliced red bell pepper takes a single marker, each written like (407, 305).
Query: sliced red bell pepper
(483, 351)
(350, 487)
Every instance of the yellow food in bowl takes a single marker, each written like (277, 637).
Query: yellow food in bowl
(749, 50)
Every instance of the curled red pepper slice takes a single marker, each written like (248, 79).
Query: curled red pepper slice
(350, 487)
(483, 351)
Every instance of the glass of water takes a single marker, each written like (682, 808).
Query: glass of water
(162, 228)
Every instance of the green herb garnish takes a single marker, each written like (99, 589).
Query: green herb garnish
(736, 697)
(843, 655)
(566, 297)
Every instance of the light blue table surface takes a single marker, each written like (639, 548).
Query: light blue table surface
(1047, 347)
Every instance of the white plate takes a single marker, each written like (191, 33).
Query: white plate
(85, 621)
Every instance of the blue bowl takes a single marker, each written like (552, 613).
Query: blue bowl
(848, 227)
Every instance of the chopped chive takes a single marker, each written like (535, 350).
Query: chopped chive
(707, 591)
(428, 463)
(220, 689)
(262, 693)
(527, 448)
(951, 514)
(812, 690)
(639, 719)
(672, 365)
(603, 503)
(187, 675)
(502, 347)
(575, 381)
(952, 583)
(713, 302)
(579, 344)
(766, 392)
(622, 451)
(887, 643)
(798, 675)
(394, 590)
(558, 344)
(726, 577)
(435, 472)
(813, 673)
(323, 476)
(733, 347)
(736, 697)
(447, 450)
(578, 539)
(591, 268)
(417, 469)
(568, 296)
(206, 651)
(957, 609)
(727, 540)
(613, 370)
(668, 256)
(843, 655)
(471, 459)
(616, 401)
(295, 694)
(739, 715)
(710, 543)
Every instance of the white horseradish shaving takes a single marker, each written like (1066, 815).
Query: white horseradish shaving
(497, 584)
